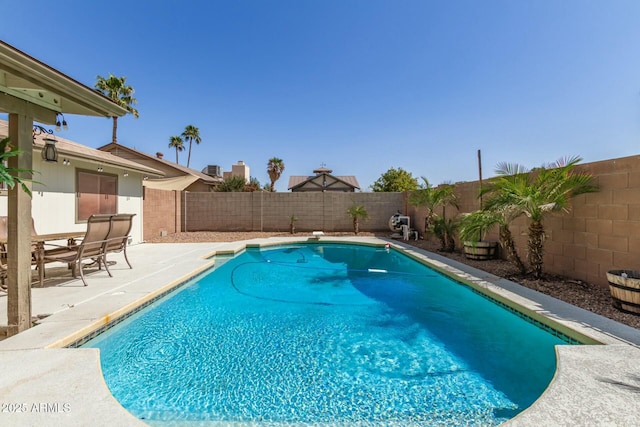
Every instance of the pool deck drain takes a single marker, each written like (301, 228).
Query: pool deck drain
(44, 384)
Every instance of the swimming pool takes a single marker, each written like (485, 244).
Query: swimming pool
(326, 333)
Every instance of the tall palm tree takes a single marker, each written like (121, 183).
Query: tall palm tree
(538, 193)
(431, 198)
(177, 143)
(118, 91)
(275, 167)
(191, 134)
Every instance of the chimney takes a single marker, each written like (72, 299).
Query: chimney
(159, 155)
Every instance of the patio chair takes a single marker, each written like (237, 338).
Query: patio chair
(119, 235)
(3, 271)
(4, 233)
(92, 247)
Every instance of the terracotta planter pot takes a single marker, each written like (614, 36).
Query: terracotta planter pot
(480, 250)
(624, 286)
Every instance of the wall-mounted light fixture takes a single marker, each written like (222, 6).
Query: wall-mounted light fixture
(49, 152)
(100, 169)
(64, 122)
(66, 162)
(126, 173)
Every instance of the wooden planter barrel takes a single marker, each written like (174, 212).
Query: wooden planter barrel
(480, 250)
(625, 291)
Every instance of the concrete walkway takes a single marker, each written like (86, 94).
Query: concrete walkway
(45, 384)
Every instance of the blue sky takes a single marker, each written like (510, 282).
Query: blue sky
(358, 85)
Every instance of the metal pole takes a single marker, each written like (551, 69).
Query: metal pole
(480, 175)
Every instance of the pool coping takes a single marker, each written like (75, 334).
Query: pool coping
(601, 373)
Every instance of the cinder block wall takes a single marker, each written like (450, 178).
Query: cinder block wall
(263, 211)
(161, 212)
(601, 232)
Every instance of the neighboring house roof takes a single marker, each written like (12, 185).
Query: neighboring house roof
(170, 169)
(73, 150)
(323, 181)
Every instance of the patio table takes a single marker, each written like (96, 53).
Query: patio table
(39, 241)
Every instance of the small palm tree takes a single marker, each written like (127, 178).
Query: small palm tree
(275, 167)
(191, 134)
(118, 91)
(356, 212)
(538, 193)
(177, 143)
(431, 198)
(292, 224)
(445, 230)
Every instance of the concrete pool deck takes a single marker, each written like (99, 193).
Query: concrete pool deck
(43, 383)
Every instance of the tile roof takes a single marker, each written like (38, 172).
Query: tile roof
(67, 148)
(185, 170)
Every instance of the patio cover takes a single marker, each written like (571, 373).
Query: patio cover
(31, 90)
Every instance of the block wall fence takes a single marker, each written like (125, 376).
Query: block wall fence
(601, 231)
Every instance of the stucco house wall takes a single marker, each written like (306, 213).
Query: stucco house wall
(54, 199)
(54, 190)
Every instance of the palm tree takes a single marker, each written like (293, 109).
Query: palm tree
(275, 167)
(474, 226)
(445, 229)
(177, 143)
(538, 193)
(431, 198)
(356, 212)
(118, 91)
(191, 134)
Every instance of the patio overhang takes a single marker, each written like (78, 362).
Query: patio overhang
(31, 90)
(25, 78)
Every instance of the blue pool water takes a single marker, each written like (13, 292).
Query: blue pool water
(326, 333)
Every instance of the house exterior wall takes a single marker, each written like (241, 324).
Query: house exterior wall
(54, 197)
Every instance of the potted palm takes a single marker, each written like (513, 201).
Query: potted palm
(473, 230)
